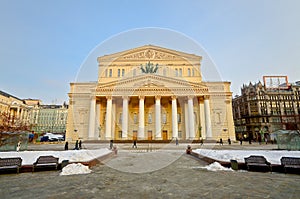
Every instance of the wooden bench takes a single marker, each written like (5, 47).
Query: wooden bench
(11, 163)
(291, 163)
(256, 161)
(45, 161)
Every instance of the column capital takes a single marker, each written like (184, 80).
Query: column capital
(173, 97)
(200, 99)
(125, 97)
(206, 97)
(109, 97)
(158, 97)
(190, 97)
(141, 97)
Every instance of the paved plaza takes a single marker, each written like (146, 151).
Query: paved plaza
(129, 175)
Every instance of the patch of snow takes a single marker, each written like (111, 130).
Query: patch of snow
(215, 166)
(226, 155)
(29, 157)
(74, 169)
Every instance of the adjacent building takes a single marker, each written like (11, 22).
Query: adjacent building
(31, 112)
(150, 93)
(267, 106)
(50, 118)
(14, 106)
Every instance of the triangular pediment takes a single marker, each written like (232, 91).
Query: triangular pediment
(149, 52)
(151, 83)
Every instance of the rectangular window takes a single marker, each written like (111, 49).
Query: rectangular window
(176, 72)
(110, 72)
(123, 72)
(180, 72)
(119, 72)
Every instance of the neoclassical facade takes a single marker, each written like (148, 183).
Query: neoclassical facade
(150, 93)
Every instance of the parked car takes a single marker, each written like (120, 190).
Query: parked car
(52, 137)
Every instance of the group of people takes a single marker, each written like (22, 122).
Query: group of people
(78, 145)
(228, 140)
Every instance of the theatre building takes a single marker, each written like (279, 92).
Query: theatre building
(150, 93)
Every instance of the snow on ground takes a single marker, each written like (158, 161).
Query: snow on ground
(29, 157)
(215, 166)
(75, 168)
(239, 155)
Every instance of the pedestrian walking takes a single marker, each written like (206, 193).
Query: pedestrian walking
(221, 141)
(229, 141)
(134, 144)
(66, 146)
(176, 141)
(76, 145)
(241, 141)
(79, 144)
(111, 144)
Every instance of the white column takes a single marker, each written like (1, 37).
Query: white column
(92, 118)
(191, 117)
(174, 118)
(141, 132)
(108, 118)
(18, 113)
(202, 119)
(97, 124)
(158, 117)
(207, 119)
(186, 121)
(113, 117)
(125, 117)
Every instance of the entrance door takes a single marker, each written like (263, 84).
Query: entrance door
(165, 135)
(149, 135)
(134, 135)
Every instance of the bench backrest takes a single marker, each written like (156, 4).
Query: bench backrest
(256, 159)
(10, 162)
(46, 159)
(290, 161)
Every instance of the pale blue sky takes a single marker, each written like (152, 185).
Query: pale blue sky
(43, 43)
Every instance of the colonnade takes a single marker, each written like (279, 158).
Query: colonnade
(190, 129)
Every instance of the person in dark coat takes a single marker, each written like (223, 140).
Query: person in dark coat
(76, 145)
(229, 141)
(66, 146)
(111, 144)
(221, 141)
(79, 144)
(176, 141)
(134, 144)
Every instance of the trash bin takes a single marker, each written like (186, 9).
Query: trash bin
(64, 163)
(234, 164)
